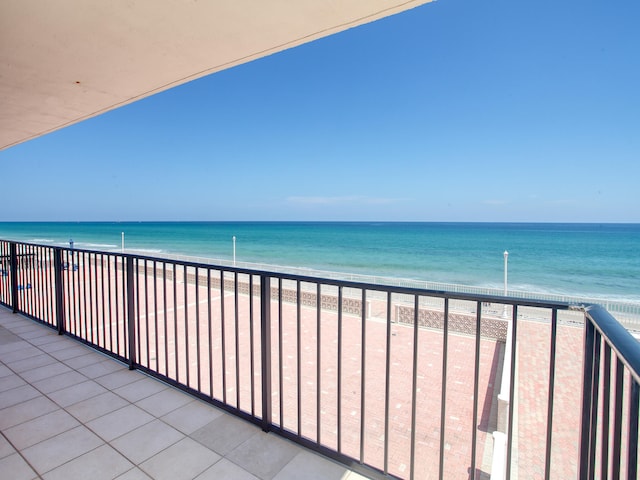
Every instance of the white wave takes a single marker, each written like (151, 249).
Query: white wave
(94, 245)
(144, 250)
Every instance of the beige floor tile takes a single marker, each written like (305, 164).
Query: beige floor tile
(15, 344)
(39, 429)
(17, 395)
(60, 344)
(11, 381)
(117, 423)
(225, 433)
(5, 371)
(310, 466)
(164, 402)
(103, 463)
(102, 368)
(5, 447)
(23, 352)
(15, 468)
(77, 393)
(226, 470)
(119, 378)
(59, 382)
(143, 388)
(68, 353)
(97, 406)
(30, 363)
(192, 416)
(146, 441)
(264, 455)
(25, 411)
(37, 333)
(184, 460)
(58, 450)
(134, 474)
(44, 372)
(84, 360)
(50, 337)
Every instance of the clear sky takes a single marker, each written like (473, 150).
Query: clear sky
(455, 111)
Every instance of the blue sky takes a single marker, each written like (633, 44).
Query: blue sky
(454, 111)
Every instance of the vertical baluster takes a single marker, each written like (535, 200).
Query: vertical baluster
(443, 397)
(552, 370)
(363, 343)
(514, 336)
(265, 351)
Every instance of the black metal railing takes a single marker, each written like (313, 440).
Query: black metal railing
(395, 382)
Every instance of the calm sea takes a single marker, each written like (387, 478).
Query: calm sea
(591, 260)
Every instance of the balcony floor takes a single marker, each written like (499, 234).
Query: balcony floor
(67, 412)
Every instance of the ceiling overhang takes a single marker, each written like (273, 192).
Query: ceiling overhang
(64, 61)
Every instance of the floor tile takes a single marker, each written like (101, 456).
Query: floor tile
(164, 402)
(58, 450)
(192, 416)
(97, 406)
(225, 433)
(117, 423)
(67, 353)
(226, 470)
(17, 395)
(134, 474)
(61, 343)
(37, 333)
(11, 381)
(143, 388)
(84, 360)
(25, 351)
(76, 393)
(103, 463)
(44, 372)
(30, 363)
(15, 468)
(58, 382)
(5, 447)
(184, 460)
(146, 441)
(25, 411)
(310, 466)
(5, 371)
(118, 379)
(50, 337)
(102, 368)
(9, 347)
(39, 429)
(264, 455)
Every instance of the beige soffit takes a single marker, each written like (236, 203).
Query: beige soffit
(63, 61)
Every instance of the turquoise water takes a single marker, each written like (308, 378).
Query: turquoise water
(591, 260)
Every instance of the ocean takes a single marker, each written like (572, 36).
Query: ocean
(583, 260)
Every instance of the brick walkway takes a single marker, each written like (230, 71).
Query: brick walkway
(168, 325)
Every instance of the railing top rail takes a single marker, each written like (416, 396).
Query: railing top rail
(619, 339)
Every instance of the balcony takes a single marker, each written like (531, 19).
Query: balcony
(390, 382)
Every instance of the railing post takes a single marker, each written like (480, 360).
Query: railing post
(265, 349)
(59, 285)
(13, 267)
(131, 313)
(587, 401)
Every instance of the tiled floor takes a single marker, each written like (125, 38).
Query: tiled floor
(68, 412)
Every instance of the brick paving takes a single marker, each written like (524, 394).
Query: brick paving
(200, 367)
